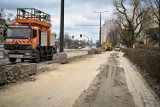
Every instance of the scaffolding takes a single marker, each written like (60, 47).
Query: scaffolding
(32, 13)
(33, 17)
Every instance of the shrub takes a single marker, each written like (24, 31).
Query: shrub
(146, 59)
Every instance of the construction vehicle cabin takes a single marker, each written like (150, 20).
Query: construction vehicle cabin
(106, 45)
(29, 38)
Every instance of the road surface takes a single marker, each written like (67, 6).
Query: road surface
(102, 80)
(70, 53)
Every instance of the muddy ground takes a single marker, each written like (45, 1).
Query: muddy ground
(108, 89)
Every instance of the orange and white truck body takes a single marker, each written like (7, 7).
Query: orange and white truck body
(29, 38)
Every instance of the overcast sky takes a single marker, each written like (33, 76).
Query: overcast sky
(77, 12)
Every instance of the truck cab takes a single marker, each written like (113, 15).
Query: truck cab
(30, 37)
(106, 45)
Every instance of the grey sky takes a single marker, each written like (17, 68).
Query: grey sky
(77, 12)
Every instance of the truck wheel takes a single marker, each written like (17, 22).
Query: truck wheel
(12, 59)
(22, 60)
(37, 56)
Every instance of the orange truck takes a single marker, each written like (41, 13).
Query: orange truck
(29, 38)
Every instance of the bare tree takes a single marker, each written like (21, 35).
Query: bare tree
(154, 6)
(154, 33)
(7, 18)
(2, 24)
(114, 37)
(130, 21)
(2, 14)
(10, 18)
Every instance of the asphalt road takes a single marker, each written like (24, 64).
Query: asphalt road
(70, 53)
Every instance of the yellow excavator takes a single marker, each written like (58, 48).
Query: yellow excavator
(107, 45)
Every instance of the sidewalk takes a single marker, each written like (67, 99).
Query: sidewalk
(142, 93)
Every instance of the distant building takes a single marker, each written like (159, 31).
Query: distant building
(106, 28)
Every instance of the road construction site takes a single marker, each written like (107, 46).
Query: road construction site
(100, 80)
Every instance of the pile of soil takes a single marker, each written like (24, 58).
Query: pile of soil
(17, 73)
(95, 51)
(78, 58)
(61, 58)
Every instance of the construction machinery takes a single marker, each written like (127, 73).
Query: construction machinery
(107, 45)
(29, 38)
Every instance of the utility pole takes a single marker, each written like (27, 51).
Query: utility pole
(100, 26)
(62, 27)
(100, 32)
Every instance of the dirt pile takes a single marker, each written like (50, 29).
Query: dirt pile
(17, 73)
(60, 58)
(95, 51)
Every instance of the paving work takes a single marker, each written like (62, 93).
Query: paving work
(101, 80)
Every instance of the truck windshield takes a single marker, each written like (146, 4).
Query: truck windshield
(18, 32)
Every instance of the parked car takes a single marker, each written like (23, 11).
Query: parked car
(117, 48)
(79, 47)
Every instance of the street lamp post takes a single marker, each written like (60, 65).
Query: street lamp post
(100, 26)
(62, 27)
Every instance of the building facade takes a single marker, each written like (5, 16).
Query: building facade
(106, 28)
